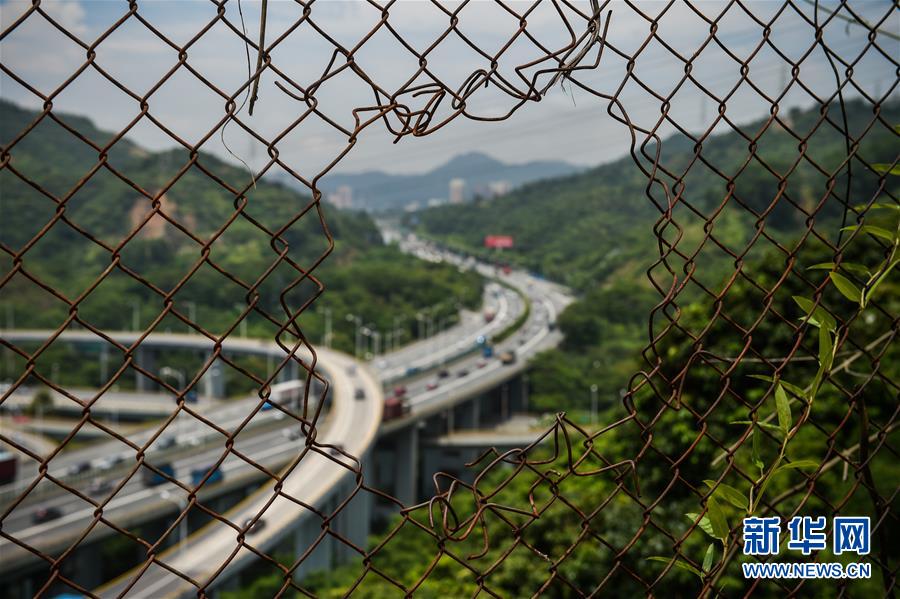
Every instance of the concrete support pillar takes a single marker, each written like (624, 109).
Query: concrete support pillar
(84, 566)
(469, 414)
(104, 364)
(290, 372)
(407, 465)
(214, 381)
(321, 558)
(354, 520)
(145, 357)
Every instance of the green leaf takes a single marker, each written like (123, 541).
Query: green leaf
(879, 280)
(871, 230)
(793, 389)
(708, 558)
(677, 563)
(717, 519)
(783, 409)
(846, 287)
(728, 493)
(821, 316)
(853, 267)
(765, 425)
(754, 448)
(883, 206)
(886, 168)
(826, 350)
(703, 523)
(797, 464)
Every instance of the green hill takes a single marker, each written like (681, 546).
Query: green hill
(584, 229)
(59, 232)
(594, 232)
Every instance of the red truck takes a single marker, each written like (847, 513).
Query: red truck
(8, 467)
(394, 407)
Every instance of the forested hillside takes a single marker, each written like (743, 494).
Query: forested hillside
(583, 229)
(107, 221)
(594, 232)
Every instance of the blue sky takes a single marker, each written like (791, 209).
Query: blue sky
(566, 124)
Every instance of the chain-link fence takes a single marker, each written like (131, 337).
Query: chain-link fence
(751, 402)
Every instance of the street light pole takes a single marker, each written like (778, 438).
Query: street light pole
(358, 337)
(192, 315)
(326, 338)
(593, 404)
(135, 315)
(167, 371)
(183, 525)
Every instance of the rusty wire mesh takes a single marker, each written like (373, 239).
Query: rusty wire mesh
(648, 468)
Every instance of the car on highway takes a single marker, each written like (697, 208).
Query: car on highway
(431, 386)
(399, 391)
(254, 527)
(507, 358)
(80, 468)
(336, 449)
(480, 364)
(45, 514)
(360, 393)
(166, 442)
(99, 486)
(443, 373)
(292, 433)
(110, 461)
(462, 373)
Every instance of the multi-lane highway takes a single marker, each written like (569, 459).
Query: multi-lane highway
(186, 450)
(444, 369)
(352, 425)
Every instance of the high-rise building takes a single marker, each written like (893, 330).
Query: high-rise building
(457, 191)
(342, 197)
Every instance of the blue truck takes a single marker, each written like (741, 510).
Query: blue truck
(197, 474)
(152, 478)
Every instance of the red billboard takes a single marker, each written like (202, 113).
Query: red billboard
(498, 241)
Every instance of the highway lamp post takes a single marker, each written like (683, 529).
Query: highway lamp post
(358, 336)
(192, 315)
(419, 320)
(395, 334)
(183, 525)
(243, 325)
(367, 333)
(593, 404)
(376, 339)
(326, 335)
(173, 372)
(135, 315)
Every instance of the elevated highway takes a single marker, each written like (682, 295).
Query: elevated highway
(448, 379)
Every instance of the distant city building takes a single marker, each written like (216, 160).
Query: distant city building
(457, 191)
(342, 197)
(435, 202)
(411, 207)
(499, 188)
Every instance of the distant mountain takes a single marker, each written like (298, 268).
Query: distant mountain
(376, 191)
(595, 225)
